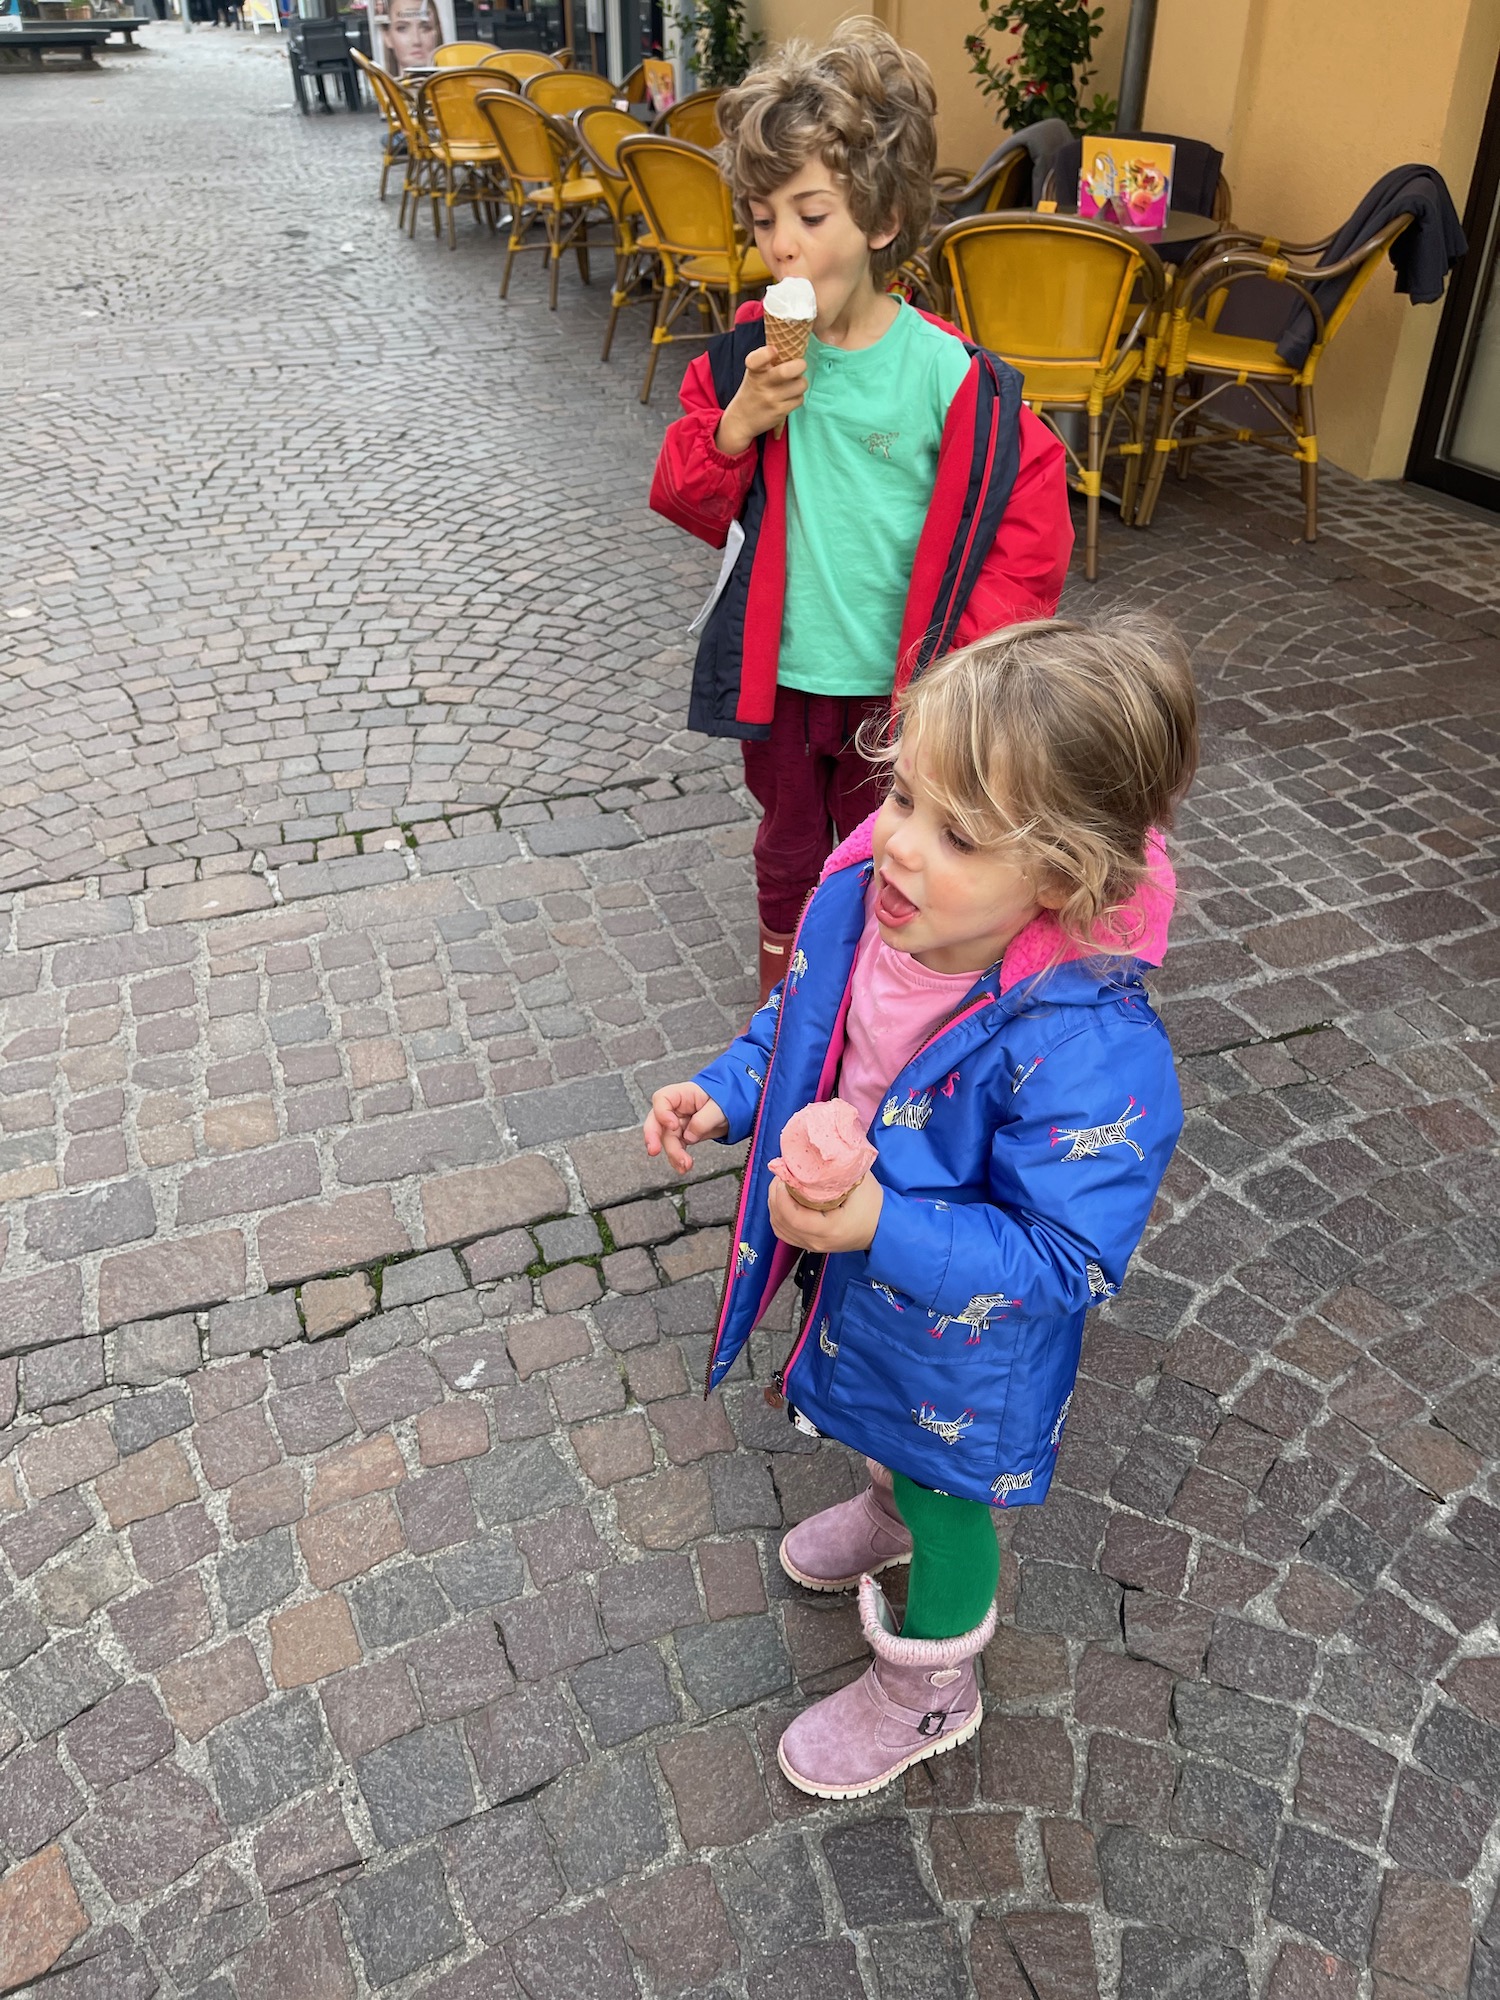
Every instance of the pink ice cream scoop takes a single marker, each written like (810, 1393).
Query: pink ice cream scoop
(824, 1154)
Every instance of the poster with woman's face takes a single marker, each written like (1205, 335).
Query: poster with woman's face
(407, 32)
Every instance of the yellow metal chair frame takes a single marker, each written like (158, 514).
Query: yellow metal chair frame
(690, 214)
(694, 118)
(384, 92)
(1211, 363)
(537, 152)
(526, 62)
(561, 92)
(1076, 307)
(419, 166)
(601, 131)
(468, 165)
(461, 55)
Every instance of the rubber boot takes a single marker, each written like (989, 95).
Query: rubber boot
(858, 1537)
(917, 1698)
(774, 947)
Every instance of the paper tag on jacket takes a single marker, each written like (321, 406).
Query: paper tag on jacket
(732, 546)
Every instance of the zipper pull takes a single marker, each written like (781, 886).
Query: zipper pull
(775, 1393)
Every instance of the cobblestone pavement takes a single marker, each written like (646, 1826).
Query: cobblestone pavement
(381, 1610)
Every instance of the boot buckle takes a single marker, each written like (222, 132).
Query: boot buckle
(932, 1722)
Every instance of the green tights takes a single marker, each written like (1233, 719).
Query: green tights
(955, 1561)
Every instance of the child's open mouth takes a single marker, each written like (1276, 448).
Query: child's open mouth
(891, 907)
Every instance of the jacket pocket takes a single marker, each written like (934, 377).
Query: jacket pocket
(888, 1368)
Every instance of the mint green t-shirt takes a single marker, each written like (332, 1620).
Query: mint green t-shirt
(863, 460)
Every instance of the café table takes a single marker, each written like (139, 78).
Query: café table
(1181, 231)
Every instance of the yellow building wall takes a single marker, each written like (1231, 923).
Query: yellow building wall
(1310, 104)
(1310, 101)
(935, 29)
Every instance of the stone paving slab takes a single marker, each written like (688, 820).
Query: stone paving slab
(381, 1609)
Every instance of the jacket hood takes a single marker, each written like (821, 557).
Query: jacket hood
(1143, 921)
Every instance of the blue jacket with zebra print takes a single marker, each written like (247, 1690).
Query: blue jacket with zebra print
(1019, 1151)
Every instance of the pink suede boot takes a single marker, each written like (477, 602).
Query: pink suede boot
(917, 1698)
(858, 1537)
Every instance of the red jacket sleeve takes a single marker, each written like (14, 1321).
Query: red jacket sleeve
(1023, 573)
(695, 484)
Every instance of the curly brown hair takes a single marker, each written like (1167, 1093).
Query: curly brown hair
(862, 105)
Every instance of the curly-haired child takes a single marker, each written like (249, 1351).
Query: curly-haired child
(911, 505)
(967, 976)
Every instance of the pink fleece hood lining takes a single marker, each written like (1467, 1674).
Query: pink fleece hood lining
(1140, 929)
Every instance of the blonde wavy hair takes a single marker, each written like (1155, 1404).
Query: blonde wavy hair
(862, 105)
(1070, 741)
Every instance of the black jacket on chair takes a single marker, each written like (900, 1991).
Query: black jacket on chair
(1423, 254)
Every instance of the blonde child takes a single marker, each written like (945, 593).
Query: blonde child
(968, 976)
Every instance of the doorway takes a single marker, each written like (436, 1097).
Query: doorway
(1457, 442)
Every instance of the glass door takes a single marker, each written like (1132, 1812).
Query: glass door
(1457, 444)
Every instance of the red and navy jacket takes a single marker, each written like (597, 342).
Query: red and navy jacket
(993, 551)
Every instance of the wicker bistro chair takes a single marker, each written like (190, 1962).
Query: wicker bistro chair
(690, 214)
(392, 108)
(537, 153)
(524, 62)
(694, 118)
(1200, 364)
(418, 159)
(633, 89)
(461, 55)
(468, 166)
(600, 130)
(561, 92)
(1076, 307)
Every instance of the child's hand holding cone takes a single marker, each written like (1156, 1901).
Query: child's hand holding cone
(771, 388)
(790, 309)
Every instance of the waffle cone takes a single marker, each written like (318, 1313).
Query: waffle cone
(788, 339)
(820, 1207)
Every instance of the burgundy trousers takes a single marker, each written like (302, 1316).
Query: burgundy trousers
(814, 788)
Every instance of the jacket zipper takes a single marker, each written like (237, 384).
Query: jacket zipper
(809, 1318)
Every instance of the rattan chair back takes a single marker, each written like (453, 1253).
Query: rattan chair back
(530, 144)
(600, 129)
(1076, 306)
(1049, 293)
(526, 62)
(695, 119)
(561, 92)
(633, 89)
(690, 219)
(450, 101)
(461, 55)
(684, 197)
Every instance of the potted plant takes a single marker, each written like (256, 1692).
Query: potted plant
(1047, 74)
(717, 41)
